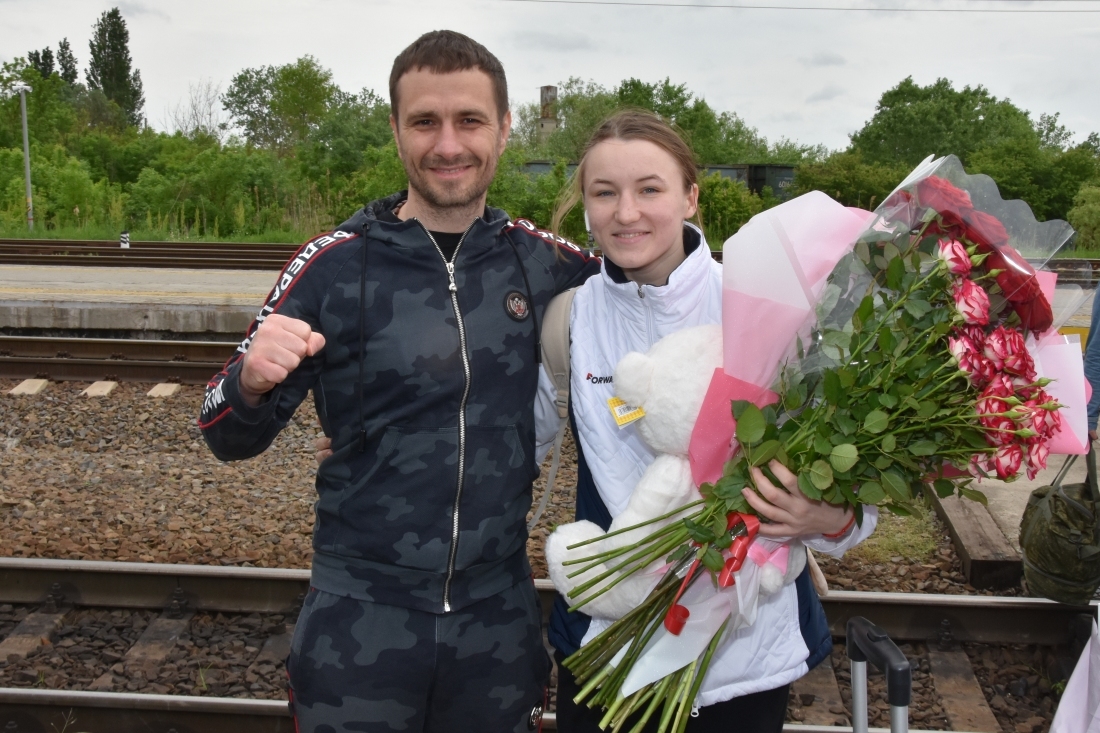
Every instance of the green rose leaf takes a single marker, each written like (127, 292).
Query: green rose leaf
(917, 308)
(844, 456)
(895, 271)
(887, 400)
(822, 445)
(871, 492)
(923, 448)
(750, 425)
(821, 474)
(889, 443)
(698, 532)
(896, 486)
(738, 407)
(806, 486)
(883, 462)
(943, 487)
(834, 392)
(974, 495)
(713, 560)
(876, 421)
(730, 486)
(765, 452)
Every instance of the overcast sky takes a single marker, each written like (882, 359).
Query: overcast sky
(813, 76)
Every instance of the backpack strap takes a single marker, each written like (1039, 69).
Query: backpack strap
(555, 360)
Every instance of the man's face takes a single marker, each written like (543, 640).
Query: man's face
(449, 135)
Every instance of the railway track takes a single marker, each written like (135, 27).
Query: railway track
(270, 256)
(117, 360)
(52, 591)
(184, 255)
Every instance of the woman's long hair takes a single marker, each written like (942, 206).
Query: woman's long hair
(629, 124)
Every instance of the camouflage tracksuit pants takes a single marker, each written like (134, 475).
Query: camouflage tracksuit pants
(366, 667)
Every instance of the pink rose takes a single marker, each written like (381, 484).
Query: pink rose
(999, 386)
(1037, 454)
(960, 347)
(954, 256)
(1007, 460)
(972, 302)
(976, 334)
(981, 465)
(1005, 348)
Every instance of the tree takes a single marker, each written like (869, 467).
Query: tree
(278, 106)
(42, 61)
(848, 178)
(912, 122)
(66, 62)
(1085, 218)
(110, 68)
(200, 112)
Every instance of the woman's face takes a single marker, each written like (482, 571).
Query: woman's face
(636, 202)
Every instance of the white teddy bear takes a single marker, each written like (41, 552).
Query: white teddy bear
(669, 383)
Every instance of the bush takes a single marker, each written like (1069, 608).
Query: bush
(1085, 218)
(724, 206)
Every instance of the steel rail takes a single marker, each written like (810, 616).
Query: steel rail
(117, 349)
(138, 360)
(905, 616)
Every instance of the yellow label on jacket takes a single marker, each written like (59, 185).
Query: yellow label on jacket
(624, 414)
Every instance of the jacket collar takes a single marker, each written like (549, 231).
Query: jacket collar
(685, 287)
(409, 233)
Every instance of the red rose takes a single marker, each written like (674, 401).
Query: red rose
(901, 208)
(984, 230)
(1007, 461)
(972, 302)
(1035, 315)
(954, 256)
(939, 194)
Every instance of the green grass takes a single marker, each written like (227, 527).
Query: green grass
(912, 538)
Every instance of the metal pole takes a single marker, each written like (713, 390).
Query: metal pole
(23, 89)
(859, 697)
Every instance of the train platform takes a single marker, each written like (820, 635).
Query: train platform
(131, 299)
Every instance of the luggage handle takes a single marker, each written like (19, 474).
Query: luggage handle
(868, 643)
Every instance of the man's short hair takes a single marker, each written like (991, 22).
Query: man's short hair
(444, 52)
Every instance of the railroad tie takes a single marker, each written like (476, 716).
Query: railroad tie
(164, 389)
(38, 629)
(100, 389)
(151, 648)
(963, 700)
(820, 696)
(274, 652)
(30, 387)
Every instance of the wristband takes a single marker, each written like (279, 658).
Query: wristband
(842, 532)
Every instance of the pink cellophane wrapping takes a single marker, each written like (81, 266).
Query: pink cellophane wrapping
(774, 270)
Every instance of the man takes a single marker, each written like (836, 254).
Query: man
(416, 326)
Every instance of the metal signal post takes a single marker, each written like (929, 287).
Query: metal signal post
(22, 89)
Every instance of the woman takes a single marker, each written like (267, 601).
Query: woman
(637, 182)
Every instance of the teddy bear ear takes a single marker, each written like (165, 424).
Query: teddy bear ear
(632, 378)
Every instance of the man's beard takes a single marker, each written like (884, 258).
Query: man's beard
(451, 194)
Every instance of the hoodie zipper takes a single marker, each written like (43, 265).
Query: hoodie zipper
(650, 326)
(453, 288)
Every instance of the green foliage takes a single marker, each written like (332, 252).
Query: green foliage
(716, 138)
(912, 122)
(42, 61)
(66, 62)
(724, 206)
(110, 68)
(1044, 175)
(1085, 218)
(848, 178)
(278, 106)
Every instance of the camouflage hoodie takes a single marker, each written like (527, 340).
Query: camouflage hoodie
(426, 391)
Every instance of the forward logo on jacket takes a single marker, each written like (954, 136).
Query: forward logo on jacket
(598, 380)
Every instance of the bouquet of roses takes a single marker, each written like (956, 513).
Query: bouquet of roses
(909, 347)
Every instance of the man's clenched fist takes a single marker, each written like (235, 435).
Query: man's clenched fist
(277, 349)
